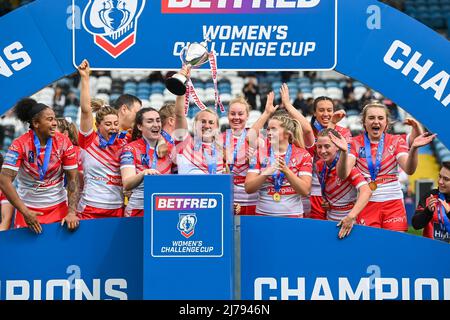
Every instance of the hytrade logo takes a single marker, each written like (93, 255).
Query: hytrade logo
(113, 23)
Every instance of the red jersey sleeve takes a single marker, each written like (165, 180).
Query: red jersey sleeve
(86, 139)
(69, 155)
(356, 178)
(305, 165)
(128, 157)
(354, 148)
(401, 147)
(14, 157)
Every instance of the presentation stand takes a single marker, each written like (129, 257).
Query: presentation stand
(188, 237)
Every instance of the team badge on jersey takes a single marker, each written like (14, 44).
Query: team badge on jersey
(391, 149)
(186, 224)
(113, 23)
(31, 157)
(362, 152)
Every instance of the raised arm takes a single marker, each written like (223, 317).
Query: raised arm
(180, 117)
(416, 130)
(268, 112)
(86, 119)
(337, 116)
(345, 163)
(409, 163)
(308, 134)
(7, 177)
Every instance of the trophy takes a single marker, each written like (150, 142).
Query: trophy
(193, 55)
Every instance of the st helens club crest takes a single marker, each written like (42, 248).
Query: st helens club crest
(113, 23)
(186, 224)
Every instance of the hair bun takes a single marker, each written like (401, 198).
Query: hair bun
(23, 109)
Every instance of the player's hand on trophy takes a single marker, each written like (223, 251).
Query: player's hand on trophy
(186, 70)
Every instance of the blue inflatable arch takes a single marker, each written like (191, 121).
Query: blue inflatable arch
(376, 44)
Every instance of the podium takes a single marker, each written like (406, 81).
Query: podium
(188, 237)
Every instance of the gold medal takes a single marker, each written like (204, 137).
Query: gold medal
(373, 185)
(276, 197)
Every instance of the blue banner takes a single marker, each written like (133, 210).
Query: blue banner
(101, 260)
(281, 258)
(398, 56)
(378, 45)
(188, 237)
(303, 259)
(298, 35)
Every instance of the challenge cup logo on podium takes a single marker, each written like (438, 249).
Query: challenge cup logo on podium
(193, 55)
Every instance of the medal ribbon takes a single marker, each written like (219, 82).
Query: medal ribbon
(48, 151)
(211, 161)
(373, 169)
(168, 137)
(318, 126)
(442, 216)
(279, 176)
(237, 148)
(123, 134)
(147, 156)
(102, 141)
(323, 176)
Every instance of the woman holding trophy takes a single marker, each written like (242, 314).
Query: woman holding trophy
(203, 153)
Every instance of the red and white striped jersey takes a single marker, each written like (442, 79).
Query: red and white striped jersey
(340, 194)
(191, 161)
(239, 172)
(387, 180)
(134, 156)
(315, 186)
(102, 179)
(21, 157)
(290, 204)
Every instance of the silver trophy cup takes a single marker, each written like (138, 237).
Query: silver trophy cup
(193, 55)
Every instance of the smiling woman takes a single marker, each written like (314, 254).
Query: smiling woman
(378, 155)
(39, 159)
(102, 195)
(141, 157)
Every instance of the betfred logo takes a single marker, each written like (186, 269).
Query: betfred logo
(113, 23)
(235, 6)
(183, 203)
